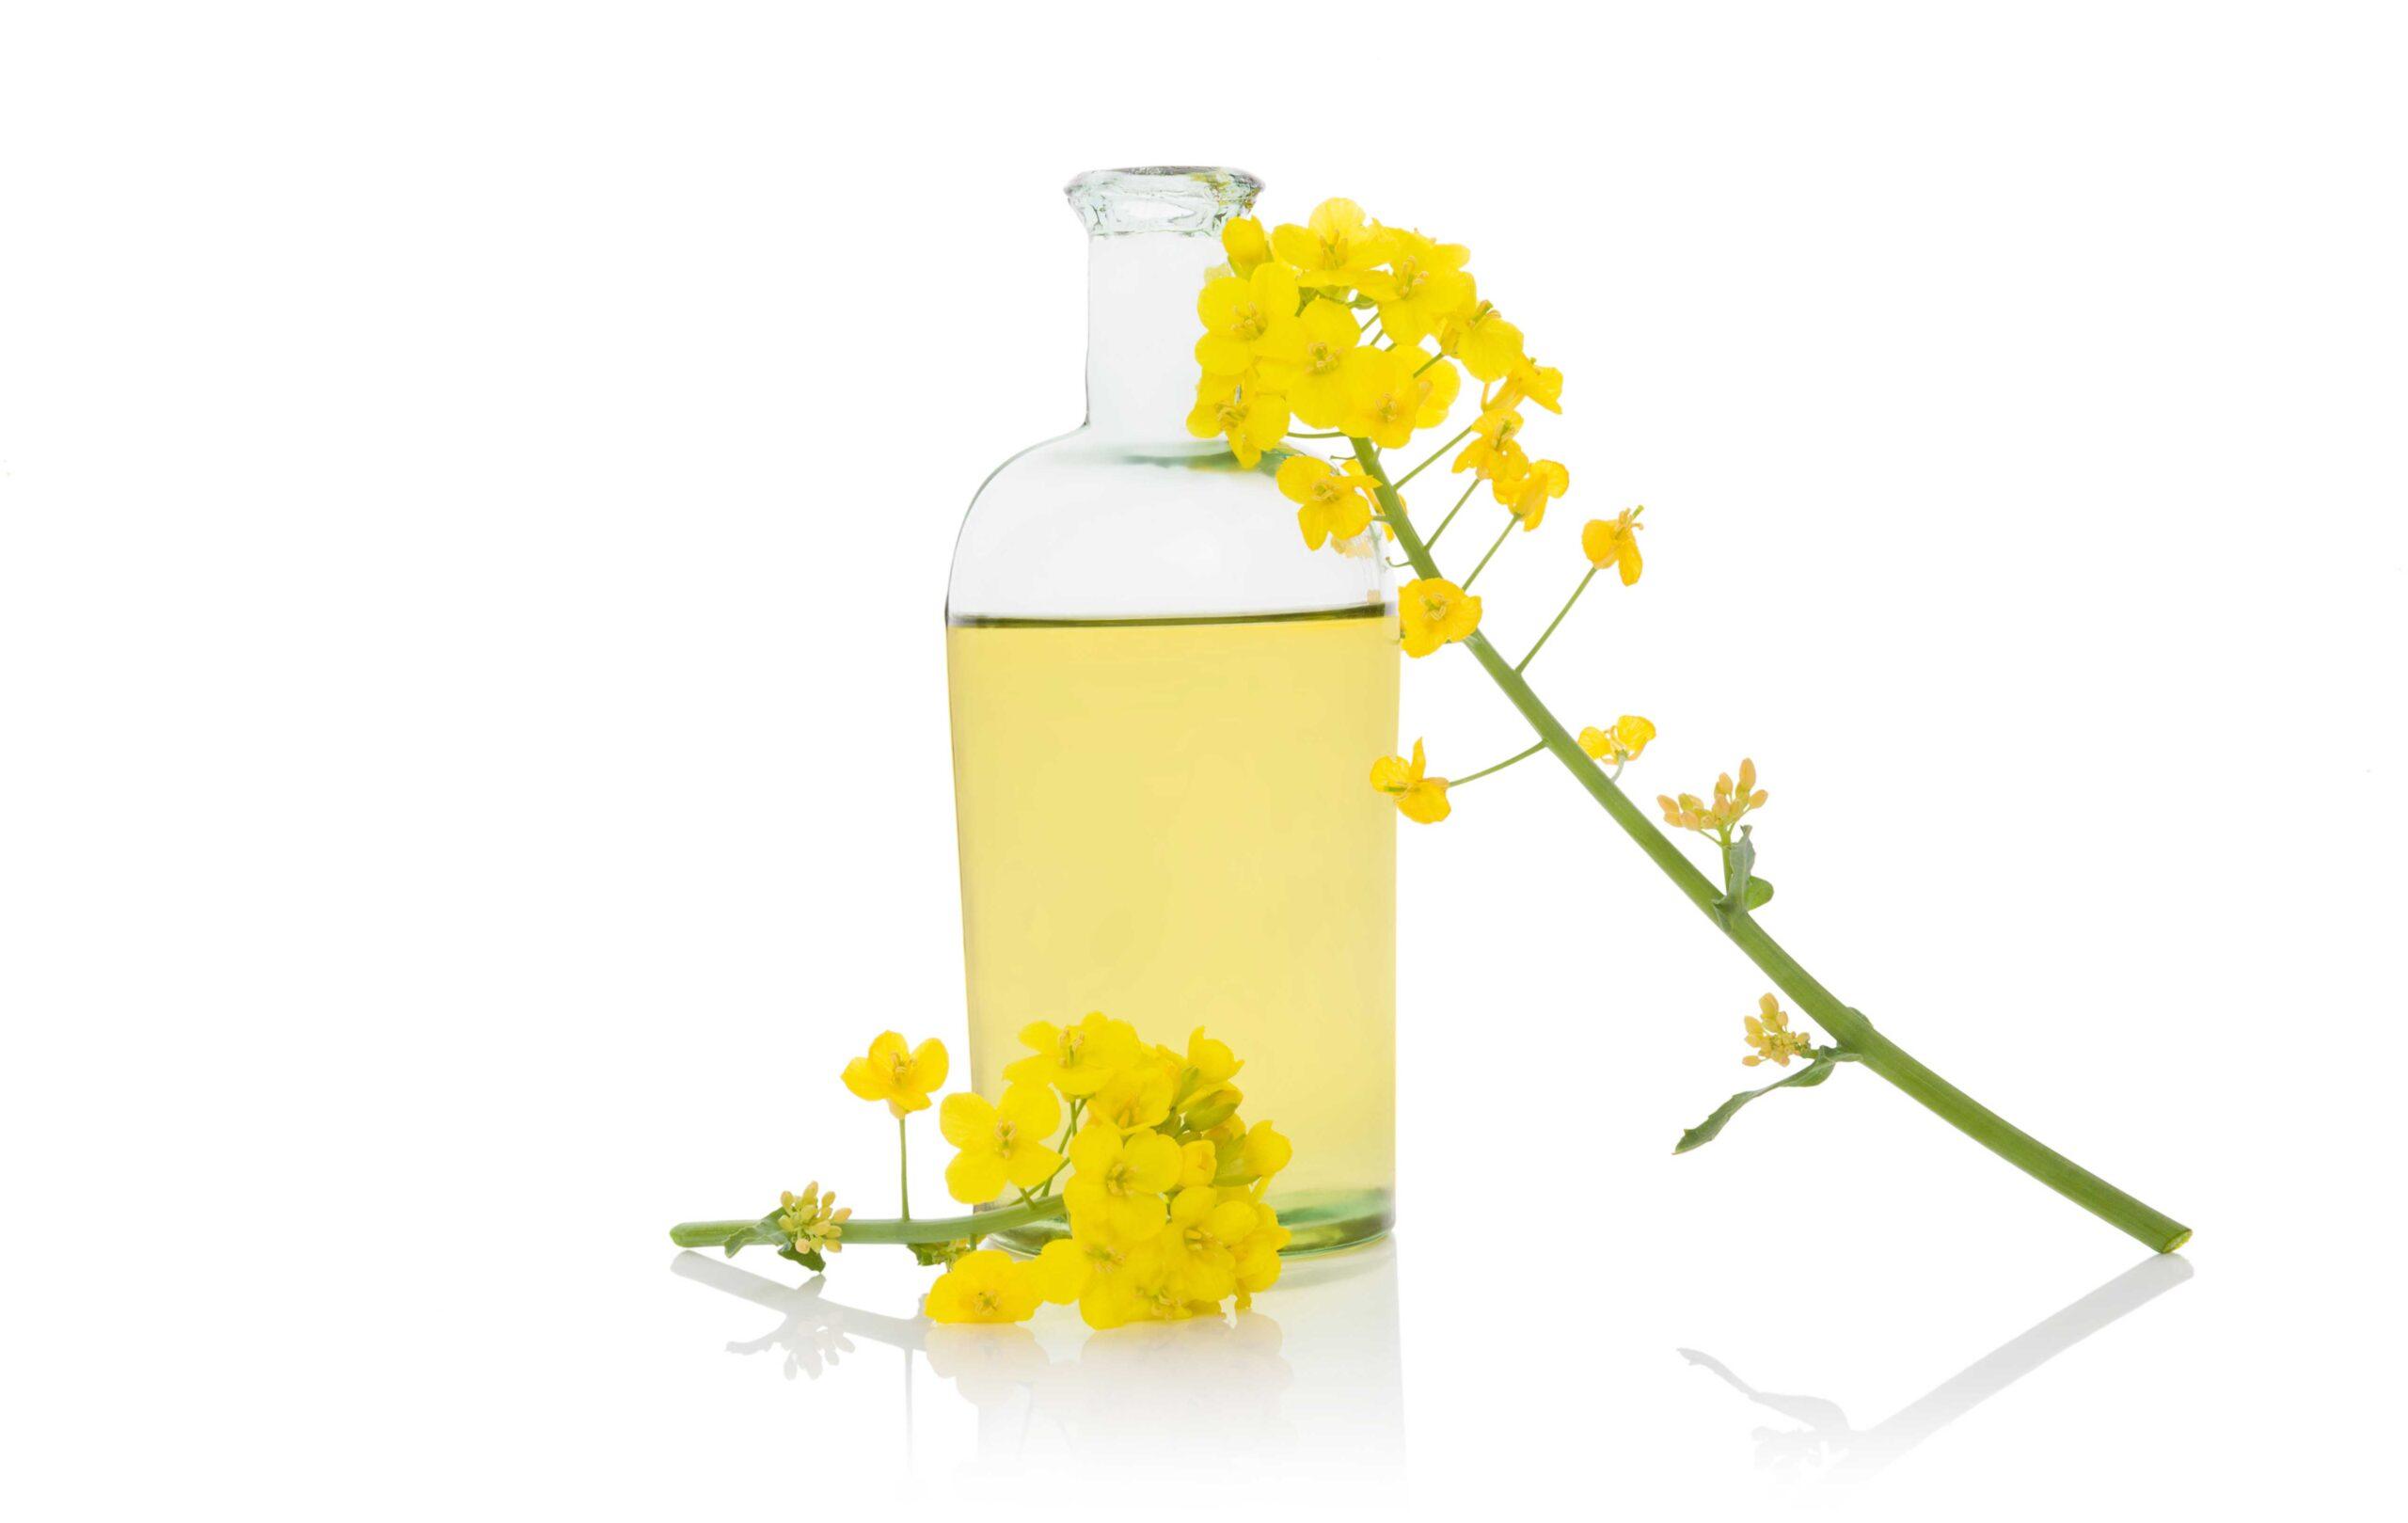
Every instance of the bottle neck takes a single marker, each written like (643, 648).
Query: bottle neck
(1142, 331)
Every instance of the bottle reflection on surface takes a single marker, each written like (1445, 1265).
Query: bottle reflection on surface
(1319, 1385)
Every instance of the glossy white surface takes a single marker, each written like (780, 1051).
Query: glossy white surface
(475, 494)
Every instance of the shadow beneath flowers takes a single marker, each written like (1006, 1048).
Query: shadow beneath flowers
(1836, 1452)
(1318, 1388)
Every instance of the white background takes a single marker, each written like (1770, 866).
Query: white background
(476, 486)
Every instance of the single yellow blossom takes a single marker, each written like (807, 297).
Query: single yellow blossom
(1528, 494)
(1118, 1181)
(1249, 320)
(1111, 1262)
(1134, 1098)
(1316, 383)
(1201, 1240)
(1731, 802)
(1257, 1254)
(1542, 383)
(813, 1221)
(1435, 612)
(1198, 1161)
(1337, 247)
(1488, 345)
(987, 1285)
(1076, 1059)
(1421, 799)
(1769, 1033)
(1246, 243)
(1003, 1145)
(1426, 286)
(1493, 453)
(1264, 1153)
(898, 1072)
(1614, 542)
(1389, 395)
(1253, 419)
(1621, 744)
(1332, 504)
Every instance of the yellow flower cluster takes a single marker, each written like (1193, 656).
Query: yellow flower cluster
(1769, 1033)
(1691, 813)
(1165, 1194)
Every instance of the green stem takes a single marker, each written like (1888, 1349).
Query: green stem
(1434, 457)
(886, 1230)
(1511, 524)
(1844, 1023)
(1471, 777)
(1523, 665)
(903, 1154)
(1451, 512)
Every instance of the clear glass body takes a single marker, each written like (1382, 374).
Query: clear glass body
(1163, 711)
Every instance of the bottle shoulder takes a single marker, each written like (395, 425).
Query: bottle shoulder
(1086, 527)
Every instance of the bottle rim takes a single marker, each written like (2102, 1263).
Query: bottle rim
(1173, 197)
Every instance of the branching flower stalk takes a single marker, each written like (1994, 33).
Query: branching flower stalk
(1281, 348)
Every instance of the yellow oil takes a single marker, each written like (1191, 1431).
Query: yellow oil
(1171, 822)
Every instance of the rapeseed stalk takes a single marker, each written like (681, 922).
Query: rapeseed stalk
(1288, 354)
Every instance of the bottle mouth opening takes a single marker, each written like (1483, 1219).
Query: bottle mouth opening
(1177, 197)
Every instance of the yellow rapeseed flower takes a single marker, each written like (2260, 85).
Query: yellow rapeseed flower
(1542, 383)
(1257, 1254)
(1116, 1183)
(1435, 612)
(1769, 1033)
(1201, 1240)
(1134, 1098)
(1003, 1145)
(1246, 243)
(988, 1285)
(1488, 345)
(1337, 247)
(1614, 542)
(1426, 286)
(1527, 495)
(1389, 395)
(1421, 799)
(1332, 504)
(1316, 383)
(1621, 744)
(1076, 1059)
(1492, 452)
(1249, 320)
(898, 1072)
(1236, 406)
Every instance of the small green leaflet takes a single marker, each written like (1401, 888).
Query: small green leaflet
(1707, 1130)
(1740, 886)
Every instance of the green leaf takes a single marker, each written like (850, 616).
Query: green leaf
(764, 1230)
(1707, 1130)
(811, 1260)
(1759, 893)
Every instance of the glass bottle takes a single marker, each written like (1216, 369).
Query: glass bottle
(1165, 712)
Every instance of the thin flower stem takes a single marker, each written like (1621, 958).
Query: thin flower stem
(903, 1151)
(1511, 524)
(1474, 777)
(1451, 512)
(882, 1230)
(1523, 663)
(1434, 456)
(1316, 435)
(1431, 361)
(1844, 1023)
